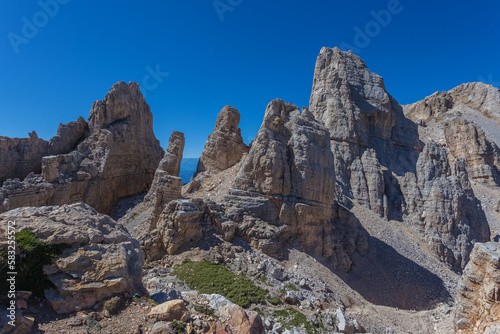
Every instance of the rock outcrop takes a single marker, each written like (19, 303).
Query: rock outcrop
(180, 223)
(442, 208)
(22, 156)
(167, 184)
(476, 95)
(288, 181)
(466, 120)
(381, 163)
(477, 305)
(101, 258)
(468, 141)
(118, 158)
(225, 146)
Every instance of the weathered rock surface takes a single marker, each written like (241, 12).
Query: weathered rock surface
(168, 311)
(239, 319)
(180, 223)
(466, 119)
(442, 207)
(477, 305)
(468, 141)
(101, 260)
(22, 156)
(118, 159)
(167, 184)
(288, 181)
(225, 146)
(476, 95)
(381, 163)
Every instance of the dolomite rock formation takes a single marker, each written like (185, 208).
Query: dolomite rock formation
(101, 259)
(482, 156)
(288, 181)
(477, 305)
(381, 163)
(167, 184)
(180, 223)
(118, 158)
(442, 207)
(461, 118)
(225, 146)
(22, 156)
(476, 95)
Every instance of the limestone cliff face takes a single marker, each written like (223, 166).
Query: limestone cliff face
(467, 120)
(382, 164)
(477, 305)
(368, 130)
(225, 146)
(442, 208)
(117, 159)
(482, 156)
(288, 180)
(21, 156)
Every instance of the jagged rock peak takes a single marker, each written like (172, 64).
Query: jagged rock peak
(225, 146)
(171, 162)
(349, 98)
(122, 102)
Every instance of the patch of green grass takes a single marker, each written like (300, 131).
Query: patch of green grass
(291, 317)
(209, 277)
(275, 300)
(178, 327)
(263, 279)
(292, 287)
(34, 254)
(204, 309)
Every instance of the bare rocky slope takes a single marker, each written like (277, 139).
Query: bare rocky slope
(353, 215)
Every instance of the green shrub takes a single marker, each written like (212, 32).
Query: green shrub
(178, 326)
(291, 317)
(29, 266)
(209, 277)
(292, 287)
(275, 300)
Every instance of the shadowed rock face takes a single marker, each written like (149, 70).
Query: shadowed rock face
(118, 158)
(461, 114)
(381, 163)
(442, 207)
(225, 146)
(477, 305)
(368, 130)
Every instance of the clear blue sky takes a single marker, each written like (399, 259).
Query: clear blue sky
(258, 52)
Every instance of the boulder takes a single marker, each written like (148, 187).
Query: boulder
(168, 311)
(442, 207)
(100, 260)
